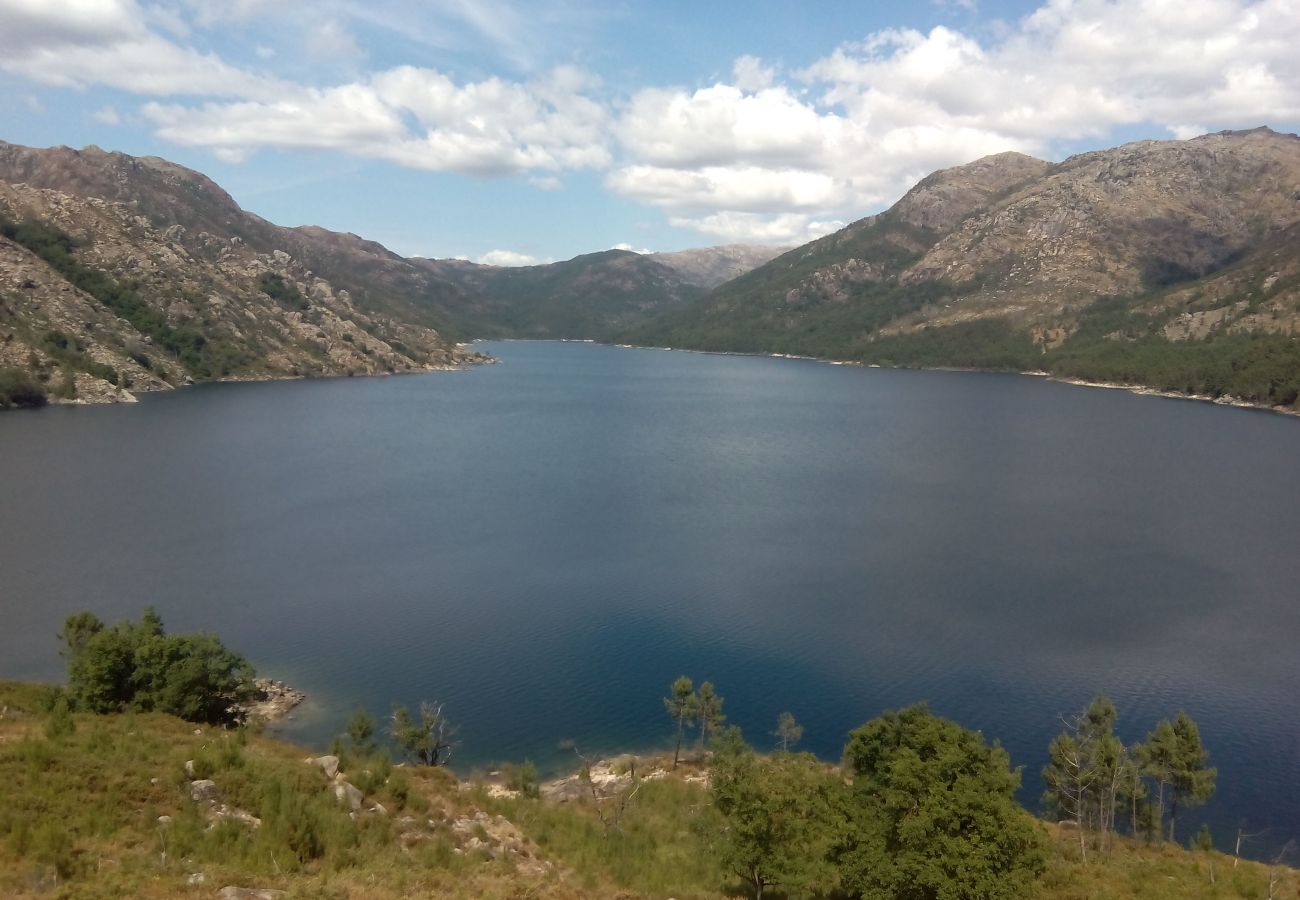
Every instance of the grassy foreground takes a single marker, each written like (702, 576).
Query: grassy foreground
(81, 798)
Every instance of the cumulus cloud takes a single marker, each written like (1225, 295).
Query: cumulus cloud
(764, 161)
(508, 258)
(86, 42)
(757, 228)
(768, 154)
(106, 115)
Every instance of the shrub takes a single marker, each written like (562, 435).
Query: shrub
(19, 389)
(139, 666)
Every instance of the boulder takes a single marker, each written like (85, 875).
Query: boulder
(349, 794)
(204, 791)
(328, 764)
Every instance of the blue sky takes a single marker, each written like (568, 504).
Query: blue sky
(511, 132)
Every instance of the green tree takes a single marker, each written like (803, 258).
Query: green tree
(77, 631)
(931, 814)
(427, 740)
(682, 705)
(361, 732)
(1176, 759)
(788, 731)
(1086, 772)
(139, 666)
(709, 711)
(777, 814)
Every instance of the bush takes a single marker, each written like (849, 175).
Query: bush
(18, 389)
(931, 813)
(138, 666)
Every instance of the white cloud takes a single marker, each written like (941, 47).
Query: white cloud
(623, 245)
(747, 160)
(106, 115)
(84, 42)
(751, 75)
(751, 188)
(753, 228)
(419, 118)
(773, 156)
(329, 41)
(508, 258)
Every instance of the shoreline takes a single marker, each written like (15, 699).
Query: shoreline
(124, 396)
(1139, 389)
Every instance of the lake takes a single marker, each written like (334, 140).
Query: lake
(546, 543)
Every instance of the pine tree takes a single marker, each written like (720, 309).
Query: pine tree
(682, 705)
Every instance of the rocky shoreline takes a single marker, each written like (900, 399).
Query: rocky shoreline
(274, 700)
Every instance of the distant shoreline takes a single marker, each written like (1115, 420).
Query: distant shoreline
(1139, 389)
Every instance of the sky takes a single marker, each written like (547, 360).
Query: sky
(517, 132)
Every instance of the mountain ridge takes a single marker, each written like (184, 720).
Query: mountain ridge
(1076, 268)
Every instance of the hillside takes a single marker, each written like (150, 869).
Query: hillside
(593, 296)
(200, 289)
(708, 267)
(118, 273)
(1166, 263)
(146, 805)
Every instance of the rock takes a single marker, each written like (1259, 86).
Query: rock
(189, 769)
(328, 764)
(230, 892)
(204, 791)
(196, 878)
(379, 809)
(225, 813)
(347, 793)
(274, 700)
(164, 820)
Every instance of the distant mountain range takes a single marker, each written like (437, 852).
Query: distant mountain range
(1174, 264)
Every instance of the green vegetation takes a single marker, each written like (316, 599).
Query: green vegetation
(930, 814)
(139, 667)
(1258, 368)
(779, 818)
(70, 354)
(105, 795)
(18, 389)
(427, 739)
(203, 357)
(287, 295)
(100, 805)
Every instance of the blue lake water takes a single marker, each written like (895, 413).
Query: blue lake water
(546, 543)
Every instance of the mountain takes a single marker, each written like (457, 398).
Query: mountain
(120, 272)
(709, 267)
(593, 296)
(1166, 263)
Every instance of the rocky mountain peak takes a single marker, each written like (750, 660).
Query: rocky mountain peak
(945, 198)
